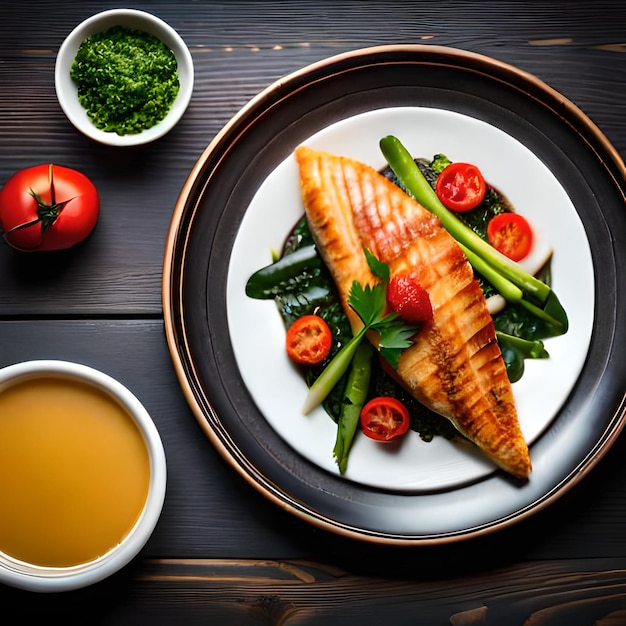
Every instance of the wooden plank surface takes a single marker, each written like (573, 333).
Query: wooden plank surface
(239, 48)
(221, 552)
(303, 593)
(211, 512)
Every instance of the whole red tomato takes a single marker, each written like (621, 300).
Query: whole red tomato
(48, 207)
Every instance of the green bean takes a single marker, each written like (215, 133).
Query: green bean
(264, 282)
(355, 395)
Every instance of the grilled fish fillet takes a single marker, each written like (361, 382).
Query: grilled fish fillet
(455, 366)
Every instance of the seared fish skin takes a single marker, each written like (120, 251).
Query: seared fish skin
(455, 366)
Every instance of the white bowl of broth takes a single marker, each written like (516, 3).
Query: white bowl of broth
(82, 475)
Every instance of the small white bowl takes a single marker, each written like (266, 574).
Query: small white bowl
(67, 93)
(17, 572)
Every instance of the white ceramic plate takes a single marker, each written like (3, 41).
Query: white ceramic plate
(279, 390)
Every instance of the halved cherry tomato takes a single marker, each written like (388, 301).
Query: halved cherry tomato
(461, 187)
(308, 340)
(409, 299)
(47, 207)
(510, 234)
(384, 418)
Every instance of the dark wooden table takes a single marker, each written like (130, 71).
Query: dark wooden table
(222, 553)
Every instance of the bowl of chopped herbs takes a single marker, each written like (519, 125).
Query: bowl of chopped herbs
(124, 77)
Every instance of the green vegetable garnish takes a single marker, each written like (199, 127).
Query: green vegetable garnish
(267, 282)
(354, 397)
(370, 304)
(127, 79)
(515, 350)
(439, 163)
(511, 281)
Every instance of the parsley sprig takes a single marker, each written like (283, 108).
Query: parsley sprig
(370, 304)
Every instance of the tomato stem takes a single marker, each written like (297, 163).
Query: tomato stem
(47, 213)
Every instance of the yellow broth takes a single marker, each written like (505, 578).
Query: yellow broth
(74, 472)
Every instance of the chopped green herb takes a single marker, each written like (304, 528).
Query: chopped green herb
(127, 79)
